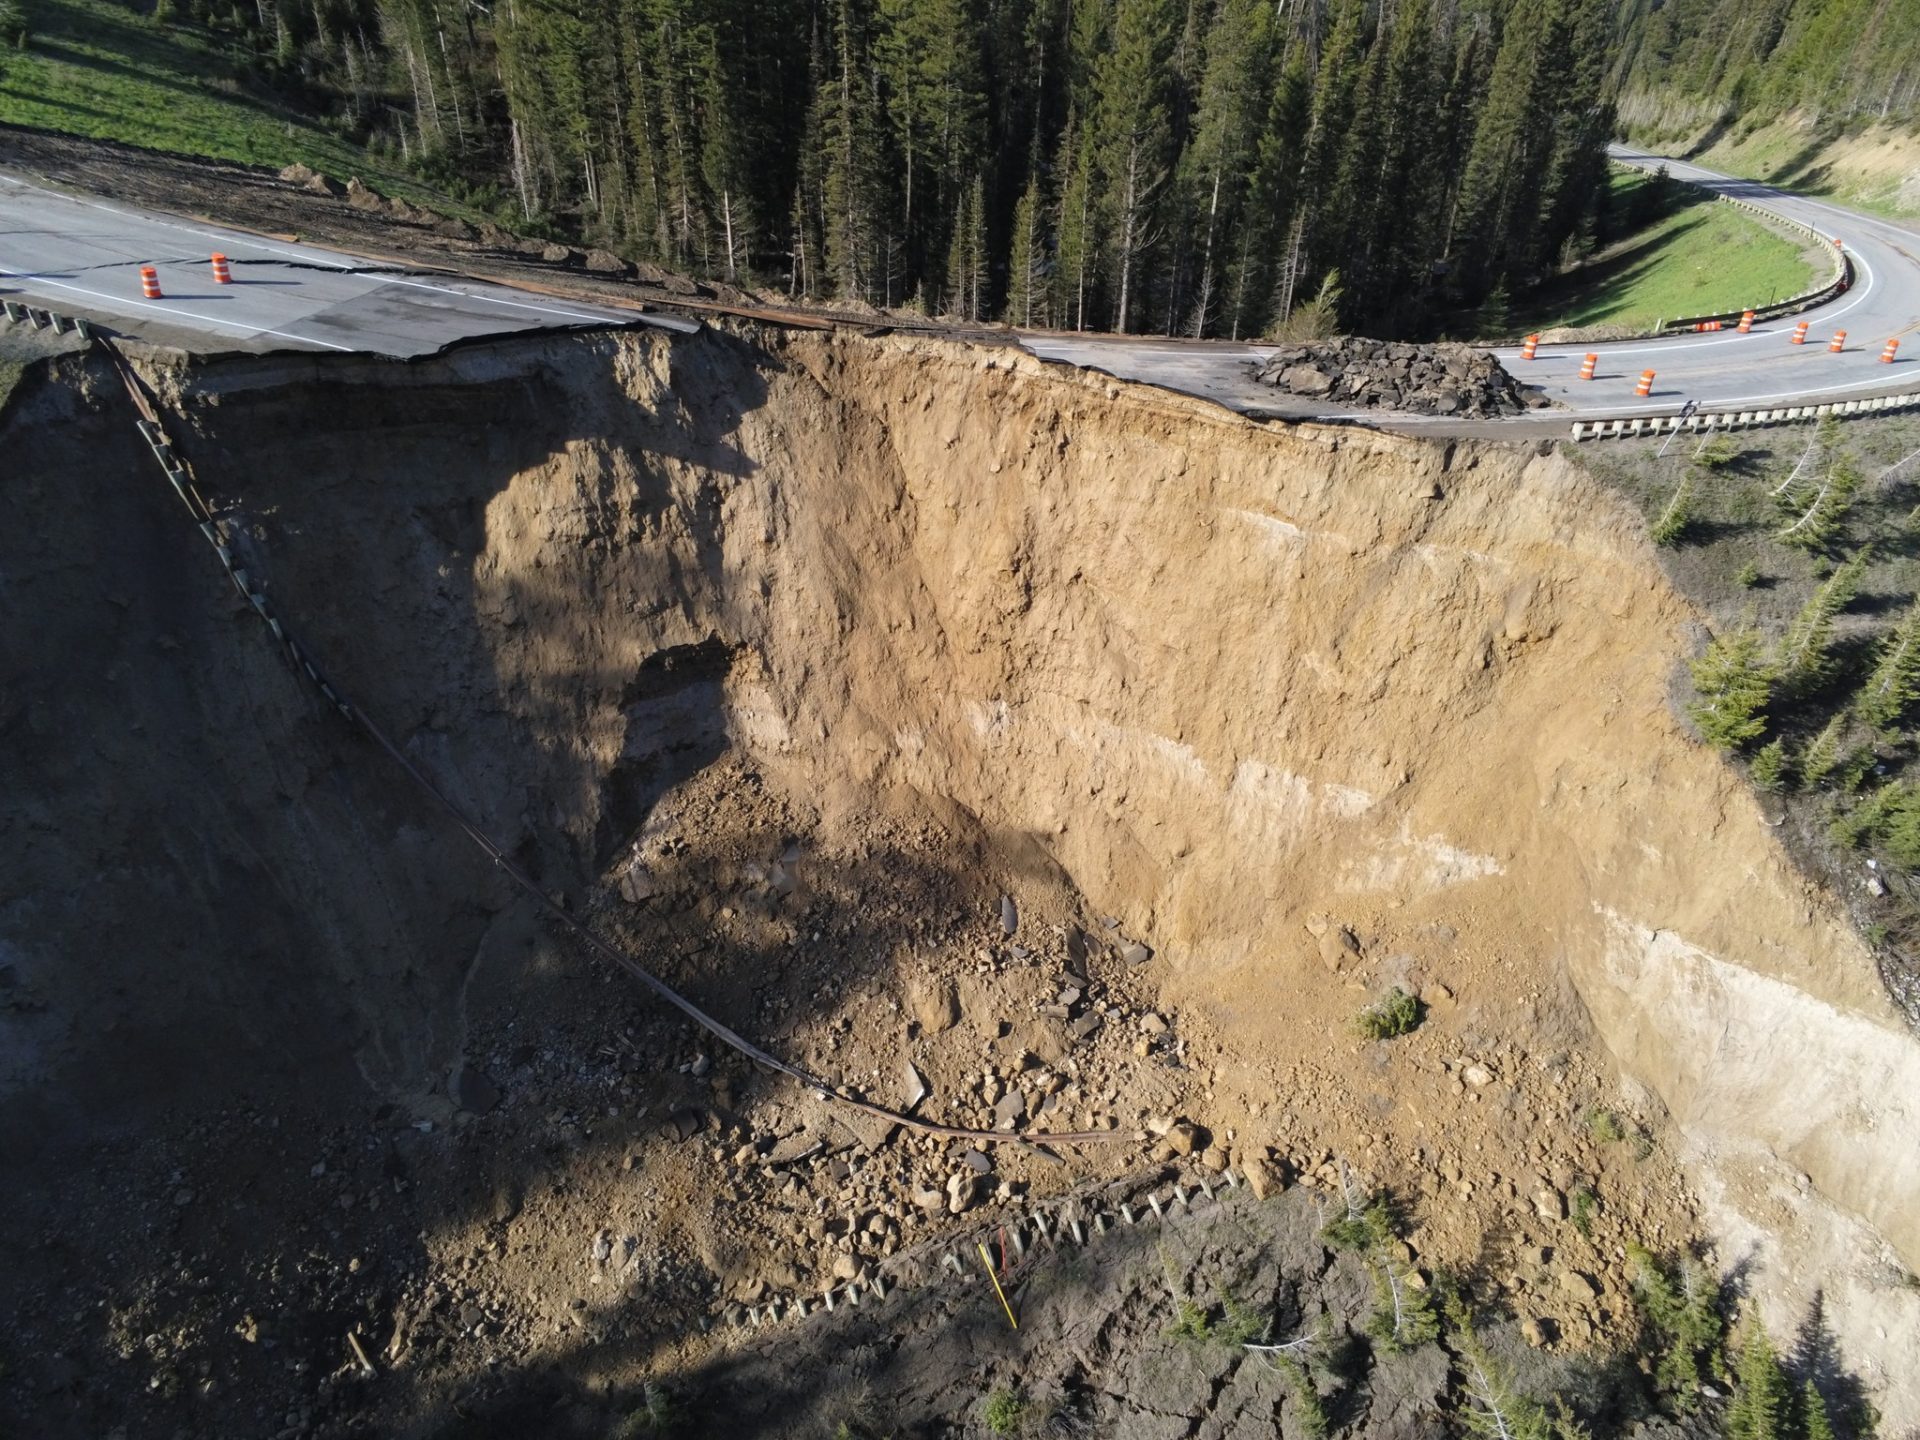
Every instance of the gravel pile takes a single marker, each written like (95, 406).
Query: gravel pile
(1389, 375)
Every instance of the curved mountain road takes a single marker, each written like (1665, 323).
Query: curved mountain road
(81, 255)
(1722, 370)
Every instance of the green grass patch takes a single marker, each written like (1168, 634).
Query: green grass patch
(102, 71)
(1698, 258)
(10, 373)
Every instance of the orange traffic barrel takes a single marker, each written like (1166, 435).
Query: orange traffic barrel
(150, 282)
(1588, 366)
(1645, 387)
(222, 275)
(1746, 322)
(1528, 346)
(1839, 342)
(1886, 355)
(1800, 332)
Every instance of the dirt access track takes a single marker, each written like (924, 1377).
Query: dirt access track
(1096, 753)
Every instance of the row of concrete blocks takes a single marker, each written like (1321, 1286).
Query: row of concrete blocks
(1020, 1234)
(1737, 419)
(18, 314)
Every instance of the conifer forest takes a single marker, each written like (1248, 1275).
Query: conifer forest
(1186, 167)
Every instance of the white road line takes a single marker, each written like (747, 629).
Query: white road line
(174, 311)
(146, 218)
(1686, 345)
(1718, 403)
(605, 319)
(311, 258)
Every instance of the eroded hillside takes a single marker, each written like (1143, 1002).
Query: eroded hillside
(781, 660)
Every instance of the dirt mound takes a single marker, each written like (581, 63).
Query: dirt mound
(789, 662)
(1391, 375)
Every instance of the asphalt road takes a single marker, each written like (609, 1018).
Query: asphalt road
(1719, 370)
(82, 256)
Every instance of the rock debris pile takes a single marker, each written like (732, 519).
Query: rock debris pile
(1389, 375)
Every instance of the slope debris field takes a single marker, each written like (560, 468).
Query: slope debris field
(1016, 747)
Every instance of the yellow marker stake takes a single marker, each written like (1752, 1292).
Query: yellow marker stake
(987, 1260)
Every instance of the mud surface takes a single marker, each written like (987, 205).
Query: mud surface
(1095, 754)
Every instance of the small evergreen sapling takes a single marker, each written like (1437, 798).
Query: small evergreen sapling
(1804, 660)
(1762, 1399)
(1732, 683)
(1682, 1312)
(1670, 526)
(1769, 768)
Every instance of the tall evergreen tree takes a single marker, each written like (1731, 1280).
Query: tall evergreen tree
(1027, 260)
(1131, 138)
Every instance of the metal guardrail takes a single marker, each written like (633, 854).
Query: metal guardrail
(1837, 285)
(1741, 419)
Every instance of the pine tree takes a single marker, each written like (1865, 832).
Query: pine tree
(1682, 1308)
(1496, 1409)
(1732, 683)
(1761, 1395)
(1670, 527)
(1403, 1314)
(1316, 221)
(726, 168)
(1130, 138)
(855, 241)
(967, 257)
(1813, 1409)
(928, 54)
(1076, 270)
(1825, 506)
(1027, 260)
(1803, 661)
(1770, 766)
(1268, 218)
(1822, 754)
(1225, 146)
(1894, 685)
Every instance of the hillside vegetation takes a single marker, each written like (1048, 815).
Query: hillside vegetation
(1821, 96)
(97, 69)
(1805, 546)
(1848, 61)
(1207, 167)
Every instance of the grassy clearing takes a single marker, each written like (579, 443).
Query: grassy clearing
(101, 71)
(1694, 259)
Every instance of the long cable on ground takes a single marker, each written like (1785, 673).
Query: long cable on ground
(204, 517)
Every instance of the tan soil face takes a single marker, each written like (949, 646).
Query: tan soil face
(959, 625)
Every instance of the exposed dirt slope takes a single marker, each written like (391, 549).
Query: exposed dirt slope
(1309, 713)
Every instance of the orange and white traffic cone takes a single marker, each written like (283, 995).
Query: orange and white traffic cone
(222, 275)
(150, 283)
(1886, 355)
(1800, 332)
(1645, 387)
(1839, 342)
(1746, 322)
(1529, 346)
(1588, 366)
